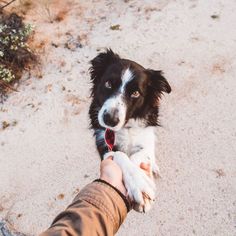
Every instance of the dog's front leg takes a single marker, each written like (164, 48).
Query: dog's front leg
(140, 188)
(146, 155)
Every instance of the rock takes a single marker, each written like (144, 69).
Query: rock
(7, 230)
(72, 44)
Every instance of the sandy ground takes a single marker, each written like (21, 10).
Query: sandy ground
(47, 153)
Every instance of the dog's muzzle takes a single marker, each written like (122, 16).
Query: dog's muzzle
(111, 118)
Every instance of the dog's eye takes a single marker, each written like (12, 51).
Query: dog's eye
(135, 94)
(108, 85)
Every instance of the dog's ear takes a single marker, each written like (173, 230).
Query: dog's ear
(100, 63)
(158, 82)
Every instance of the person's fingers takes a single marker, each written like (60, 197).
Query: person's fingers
(106, 162)
(108, 165)
(111, 173)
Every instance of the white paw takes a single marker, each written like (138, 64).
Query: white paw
(108, 154)
(140, 187)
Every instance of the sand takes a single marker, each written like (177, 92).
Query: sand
(48, 153)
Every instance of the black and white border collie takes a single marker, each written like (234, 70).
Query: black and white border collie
(125, 100)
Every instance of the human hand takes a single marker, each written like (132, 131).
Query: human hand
(111, 173)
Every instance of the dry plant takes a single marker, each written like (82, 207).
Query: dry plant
(46, 4)
(24, 6)
(15, 54)
(5, 4)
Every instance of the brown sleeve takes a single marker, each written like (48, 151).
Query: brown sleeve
(99, 209)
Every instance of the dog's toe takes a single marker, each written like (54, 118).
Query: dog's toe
(146, 206)
(156, 171)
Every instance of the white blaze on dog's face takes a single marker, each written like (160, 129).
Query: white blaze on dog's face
(112, 115)
(123, 89)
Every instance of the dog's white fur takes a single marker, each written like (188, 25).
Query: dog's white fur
(126, 76)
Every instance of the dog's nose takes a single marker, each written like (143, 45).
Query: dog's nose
(111, 118)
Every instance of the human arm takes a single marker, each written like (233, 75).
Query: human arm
(99, 209)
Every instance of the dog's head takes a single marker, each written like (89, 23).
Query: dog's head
(123, 89)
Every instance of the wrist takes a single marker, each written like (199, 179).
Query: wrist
(123, 196)
(116, 184)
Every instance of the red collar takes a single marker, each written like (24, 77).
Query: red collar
(109, 139)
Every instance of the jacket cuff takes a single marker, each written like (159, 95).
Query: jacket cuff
(127, 203)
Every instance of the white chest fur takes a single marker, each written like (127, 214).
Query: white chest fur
(135, 137)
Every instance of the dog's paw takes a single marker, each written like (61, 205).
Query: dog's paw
(140, 187)
(108, 154)
(143, 207)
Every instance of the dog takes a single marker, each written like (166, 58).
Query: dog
(125, 103)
